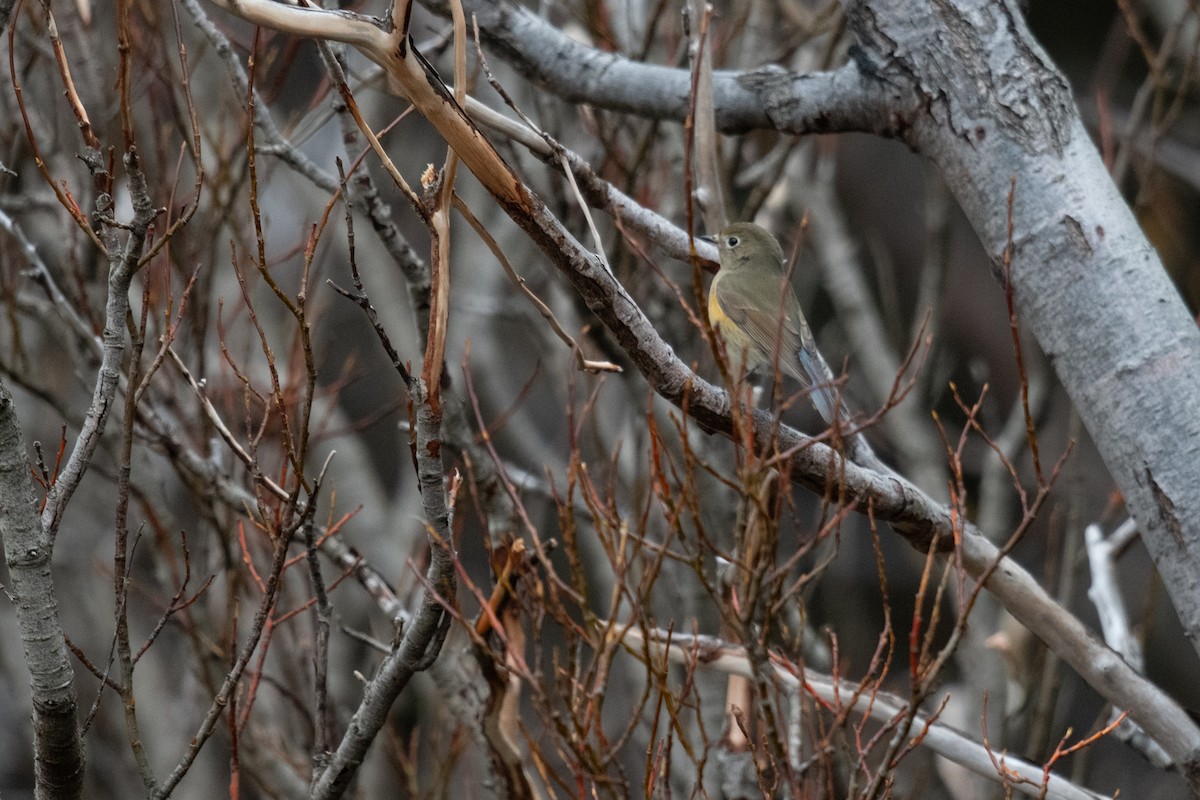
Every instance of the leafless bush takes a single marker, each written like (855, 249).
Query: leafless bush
(315, 480)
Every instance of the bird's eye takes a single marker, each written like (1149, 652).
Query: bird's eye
(732, 241)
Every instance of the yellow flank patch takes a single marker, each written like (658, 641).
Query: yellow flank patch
(738, 348)
(716, 315)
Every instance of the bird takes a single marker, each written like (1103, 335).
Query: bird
(752, 304)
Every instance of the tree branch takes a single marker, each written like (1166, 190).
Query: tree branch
(58, 751)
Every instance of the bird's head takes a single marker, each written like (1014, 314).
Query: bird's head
(746, 243)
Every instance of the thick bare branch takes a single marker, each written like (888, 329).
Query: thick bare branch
(890, 498)
(58, 751)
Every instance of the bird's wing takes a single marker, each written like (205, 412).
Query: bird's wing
(764, 329)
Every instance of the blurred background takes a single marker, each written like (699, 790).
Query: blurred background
(646, 512)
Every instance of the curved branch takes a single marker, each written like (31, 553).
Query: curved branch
(812, 464)
(845, 99)
(713, 653)
(426, 632)
(999, 122)
(334, 25)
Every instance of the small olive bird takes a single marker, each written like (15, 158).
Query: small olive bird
(754, 307)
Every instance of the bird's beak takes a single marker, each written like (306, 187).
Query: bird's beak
(711, 238)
